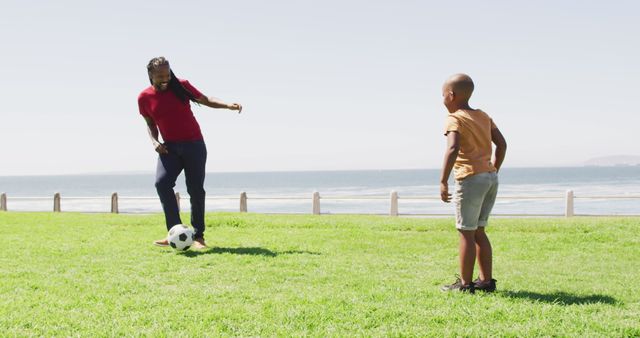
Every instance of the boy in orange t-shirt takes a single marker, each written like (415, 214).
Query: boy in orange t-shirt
(470, 133)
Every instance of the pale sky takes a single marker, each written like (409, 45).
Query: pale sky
(326, 85)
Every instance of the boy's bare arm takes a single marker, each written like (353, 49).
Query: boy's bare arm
(501, 147)
(450, 155)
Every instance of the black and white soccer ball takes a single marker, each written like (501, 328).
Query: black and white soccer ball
(181, 237)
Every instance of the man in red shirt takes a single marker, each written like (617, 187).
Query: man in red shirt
(165, 105)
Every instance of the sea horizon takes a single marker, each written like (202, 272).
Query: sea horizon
(151, 171)
(608, 190)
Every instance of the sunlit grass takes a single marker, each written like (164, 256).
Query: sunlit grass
(70, 274)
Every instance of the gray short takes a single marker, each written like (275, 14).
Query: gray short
(474, 199)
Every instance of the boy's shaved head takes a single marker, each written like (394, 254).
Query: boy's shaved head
(461, 85)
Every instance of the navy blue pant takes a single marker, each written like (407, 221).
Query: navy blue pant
(190, 157)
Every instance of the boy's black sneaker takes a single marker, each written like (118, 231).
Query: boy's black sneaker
(458, 286)
(488, 286)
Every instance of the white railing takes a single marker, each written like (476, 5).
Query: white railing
(393, 199)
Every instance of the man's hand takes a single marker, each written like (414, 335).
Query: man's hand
(445, 196)
(161, 149)
(236, 106)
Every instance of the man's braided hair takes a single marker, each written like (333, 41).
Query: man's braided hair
(174, 84)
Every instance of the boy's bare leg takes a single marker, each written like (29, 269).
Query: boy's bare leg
(467, 252)
(484, 254)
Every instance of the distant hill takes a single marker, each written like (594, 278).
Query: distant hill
(620, 160)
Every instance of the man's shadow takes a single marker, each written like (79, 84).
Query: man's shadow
(561, 298)
(252, 251)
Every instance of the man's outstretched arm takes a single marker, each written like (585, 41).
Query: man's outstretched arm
(215, 103)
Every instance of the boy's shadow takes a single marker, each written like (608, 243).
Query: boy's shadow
(252, 251)
(561, 298)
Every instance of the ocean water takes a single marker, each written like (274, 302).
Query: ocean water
(526, 191)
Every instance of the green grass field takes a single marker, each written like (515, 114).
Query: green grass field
(69, 274)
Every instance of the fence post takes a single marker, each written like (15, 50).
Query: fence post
(316, 203)
(394, 204)
(178, 200)
(243, 202)
(56, 202)
(114, 203)
(569, 204)
(3, 202)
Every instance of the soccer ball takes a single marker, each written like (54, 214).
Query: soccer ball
(181, 237)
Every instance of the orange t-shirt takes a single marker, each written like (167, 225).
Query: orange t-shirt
(474, 128)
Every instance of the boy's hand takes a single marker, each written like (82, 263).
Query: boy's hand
(445, 196)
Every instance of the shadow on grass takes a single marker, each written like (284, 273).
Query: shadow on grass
(561, 298)
(252, 251)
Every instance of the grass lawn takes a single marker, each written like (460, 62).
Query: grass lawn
(69, 274)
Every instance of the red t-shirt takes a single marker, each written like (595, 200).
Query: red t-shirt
(173, 116)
